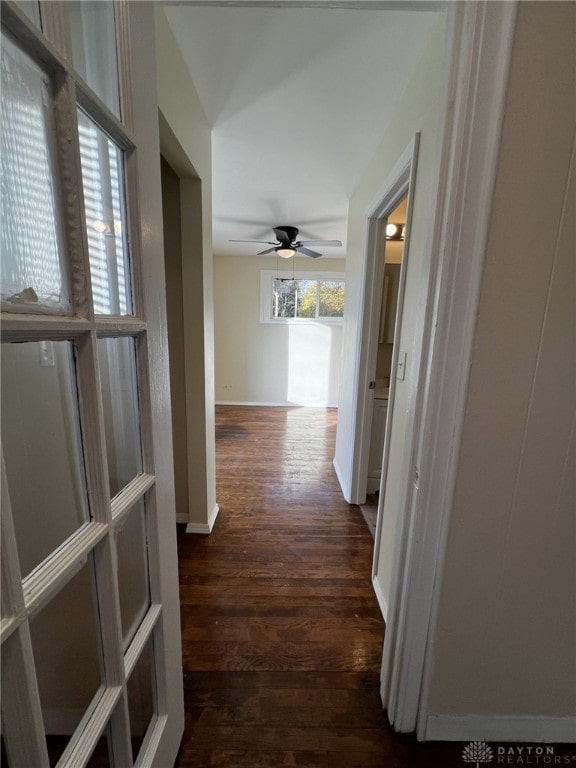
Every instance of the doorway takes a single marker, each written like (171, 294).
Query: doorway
(396, 192)
(384, 343)
(188, 284)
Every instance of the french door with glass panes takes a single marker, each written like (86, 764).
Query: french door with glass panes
(90, 654)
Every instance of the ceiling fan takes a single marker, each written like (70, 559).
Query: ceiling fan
(287, 245)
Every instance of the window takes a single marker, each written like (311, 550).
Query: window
(33, 275)
(301, 297)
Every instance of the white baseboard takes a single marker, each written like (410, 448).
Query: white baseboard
(547, 730)
(204, 527)
(380, 597)
(283, 404)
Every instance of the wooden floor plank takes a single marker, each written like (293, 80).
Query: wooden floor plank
(282, 635)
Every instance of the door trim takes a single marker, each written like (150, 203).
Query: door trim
(398, 184)
(481, 37)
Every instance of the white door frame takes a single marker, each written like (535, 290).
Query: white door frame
(480, 37)
(397, 186)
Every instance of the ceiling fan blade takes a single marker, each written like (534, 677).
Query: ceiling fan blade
(268, 250)
(318, 242)
(267, 242)
(307, 252)
(283, 237)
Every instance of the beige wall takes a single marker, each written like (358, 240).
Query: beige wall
(189, 153)
(266, 363)
(418, 111)
(506, 637)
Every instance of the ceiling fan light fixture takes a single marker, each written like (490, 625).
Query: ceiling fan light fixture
(285, 253)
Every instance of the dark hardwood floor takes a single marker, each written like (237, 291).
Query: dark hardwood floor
(282, 635)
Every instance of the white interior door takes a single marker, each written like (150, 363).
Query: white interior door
(90, 633)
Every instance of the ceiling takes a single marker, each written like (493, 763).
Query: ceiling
(298, 99)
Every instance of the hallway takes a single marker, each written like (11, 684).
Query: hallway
(282, 635)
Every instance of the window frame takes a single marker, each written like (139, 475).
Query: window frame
(267, 277)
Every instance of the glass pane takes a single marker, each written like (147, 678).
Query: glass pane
(32, 9)
(41, 444)
(141, 694)
(94, 47)
(306, 298)
(132, 570)
(294, 298)
(32, 277)
(331, 298)
(121, 422)
(103, 183)
(67, 658)
(284, 297)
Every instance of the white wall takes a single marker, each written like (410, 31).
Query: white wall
(506, 635)
(266, 363)
(181, 109)
(418, 111)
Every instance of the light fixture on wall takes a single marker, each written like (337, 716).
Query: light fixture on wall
(285, 253)
(395, 231)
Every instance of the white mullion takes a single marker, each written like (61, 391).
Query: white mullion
(133, 221)
(131, 192)
(72, 198)
(141, 637)
(23, 727)
(60, 566)
(92, 426)
(22, 722)
(151, 741)
(88, 732)
(153, 548)
(111, 637)
(54, 25)
(10, 625)
(59, 52)
(100, 113)
(94, 442)
(156, 598)
(92, 417)
(124, 62)
(12, 605)
(125, 500)
(144, 404)
(23, 327)
(29, 37)
(115, 327)
(159, 650)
